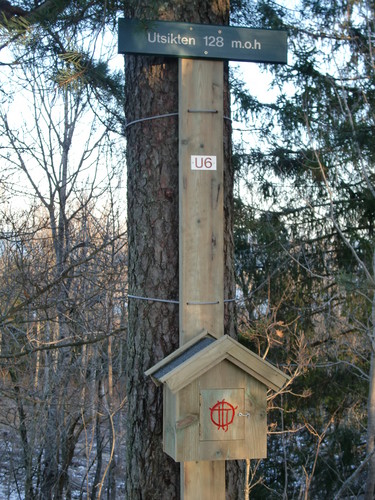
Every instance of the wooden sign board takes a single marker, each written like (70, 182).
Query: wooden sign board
(202, 41)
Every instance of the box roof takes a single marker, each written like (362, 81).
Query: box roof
(196, 357)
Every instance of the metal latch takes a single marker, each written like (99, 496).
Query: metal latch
(244, 414)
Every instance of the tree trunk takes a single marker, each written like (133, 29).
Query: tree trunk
(99, 442)
(152, 165)
(27, 452)
(235, 470)
(370, 482)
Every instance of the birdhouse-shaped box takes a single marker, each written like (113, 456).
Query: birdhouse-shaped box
(215, 400)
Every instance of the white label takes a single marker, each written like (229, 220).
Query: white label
(200, 162)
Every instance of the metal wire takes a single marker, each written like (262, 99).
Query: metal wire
(140, 120)
(150, 118)
(169, 301)
(152, 299)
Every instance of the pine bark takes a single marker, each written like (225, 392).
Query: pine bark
(152, 163)
(370, 482)
(152, 184)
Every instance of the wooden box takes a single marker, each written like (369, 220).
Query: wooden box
(215, 396)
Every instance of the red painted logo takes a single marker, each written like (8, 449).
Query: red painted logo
(222, 414)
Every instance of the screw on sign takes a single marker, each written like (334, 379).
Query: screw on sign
(222, 414)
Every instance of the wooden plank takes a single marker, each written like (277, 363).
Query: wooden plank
(187, 440)
(169, 419)
(181, 376)
(256, 423)
(203, 480)
(257, 366)
(201, 239)
(271, 376)
(224, 347)
(209, 398)
(201, 199)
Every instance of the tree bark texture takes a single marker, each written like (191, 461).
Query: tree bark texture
(152, 185)
(152, 163)
(370, 482)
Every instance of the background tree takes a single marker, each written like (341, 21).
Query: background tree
(315, 178)
(62, 315)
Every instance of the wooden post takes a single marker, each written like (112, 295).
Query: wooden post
(201, 232)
